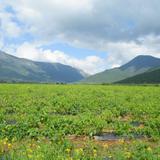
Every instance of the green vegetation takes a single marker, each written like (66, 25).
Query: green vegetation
(151, 76)
(60, 122)
(23, 70)
(138, 65)
(110, 76)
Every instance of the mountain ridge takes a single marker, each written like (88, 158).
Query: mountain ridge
(137, 65)
(150, 77)
(13, 68)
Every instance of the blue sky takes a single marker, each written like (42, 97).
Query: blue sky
(91, 35)
(64, 47)
(72, 51)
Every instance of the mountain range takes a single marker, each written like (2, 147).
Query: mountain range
(151, 76)
(23, 70)
(136, 66)
(141, 69)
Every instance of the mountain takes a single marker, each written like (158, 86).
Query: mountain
(23, 70)
(152, 76)
(138, 65)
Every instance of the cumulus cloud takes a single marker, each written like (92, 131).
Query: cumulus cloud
(123, 29)
(87, 19)
(89, 64)
(121, 52)
(8, 27)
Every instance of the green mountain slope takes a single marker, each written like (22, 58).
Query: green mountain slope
(151, 76)
(18, 69)
(136, 66)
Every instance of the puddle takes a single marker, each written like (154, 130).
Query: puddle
(106, 158)
(114, 137)
(104, 140)
(11, 122)
(137, 136)
(107, 137)
(136, 124)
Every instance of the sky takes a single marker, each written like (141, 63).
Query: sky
(91, 35)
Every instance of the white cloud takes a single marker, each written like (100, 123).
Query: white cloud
(1, 42)
(121, 52)
(8, 27)
(123, 29)
(89, 20)
(117, 54)
(89, 64)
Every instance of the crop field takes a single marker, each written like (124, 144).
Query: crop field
(79, 122)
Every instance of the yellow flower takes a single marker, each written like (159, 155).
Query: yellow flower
(105, 145)
(9, 145)
(30, 156)
(121, 141)
(68, 150)
(29, 150)
(4, 142)
(128, 154)
(79, 151)
(110, 156)
(95, 152)
(149, 149)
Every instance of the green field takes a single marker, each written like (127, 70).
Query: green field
(61, 122)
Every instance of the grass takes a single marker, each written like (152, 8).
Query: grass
(60, 121)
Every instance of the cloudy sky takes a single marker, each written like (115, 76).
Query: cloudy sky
(91, 35)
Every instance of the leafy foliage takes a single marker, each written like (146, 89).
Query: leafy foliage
(35, 121)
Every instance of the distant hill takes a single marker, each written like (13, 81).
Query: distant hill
(138, 65)
(23, 70)
(152, 76)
